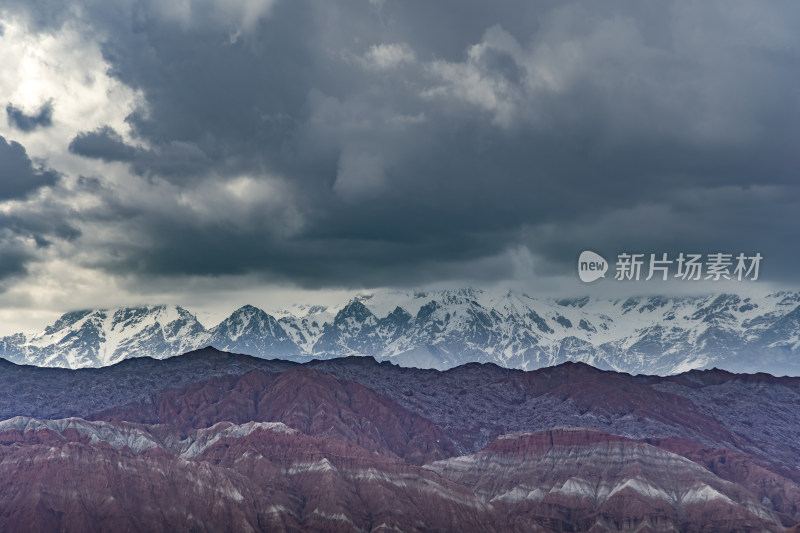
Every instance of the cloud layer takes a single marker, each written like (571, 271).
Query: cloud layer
(25, 122)
(358, 143)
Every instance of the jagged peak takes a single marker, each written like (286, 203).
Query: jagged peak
(250, 310)
(356, 309)
(463, 291)
(666, 335)
(68, 319)
(464, 295)
(399, 312)
(118, 315)
(247, 308)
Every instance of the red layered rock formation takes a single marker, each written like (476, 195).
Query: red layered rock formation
(303, 450)
(254, 477)
(611, 396)
(304, 399)
(574, 479)
(777, 490)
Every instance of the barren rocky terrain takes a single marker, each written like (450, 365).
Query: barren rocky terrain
(212, 441)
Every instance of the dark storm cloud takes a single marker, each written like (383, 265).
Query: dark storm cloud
(18, 175)
(25, 122)
(104, 143)
(175, 159)
(13, 260)
(21, 235)
(414, 137)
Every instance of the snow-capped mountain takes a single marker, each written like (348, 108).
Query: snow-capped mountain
(104, 337)
(251, 331)
(442, 329)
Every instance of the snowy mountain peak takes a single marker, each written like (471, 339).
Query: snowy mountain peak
(106, 336)
(654, 334)
(399, 314)
(251, 330)
(67, 320)
(247, 310)
(355, 310)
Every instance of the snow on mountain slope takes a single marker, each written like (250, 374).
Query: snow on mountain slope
(442, 329)
(306, 327)
(105, 337)
(252, 331)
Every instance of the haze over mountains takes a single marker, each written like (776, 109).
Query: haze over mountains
(211, 441)
(443, 329)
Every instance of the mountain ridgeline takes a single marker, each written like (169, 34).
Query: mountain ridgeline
(213, 441)
(444, 329)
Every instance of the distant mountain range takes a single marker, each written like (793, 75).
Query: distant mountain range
(443, 329)
(212, 441)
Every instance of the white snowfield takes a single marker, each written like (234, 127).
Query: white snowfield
(442, 329)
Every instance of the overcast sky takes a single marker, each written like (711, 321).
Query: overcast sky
(219, 152)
